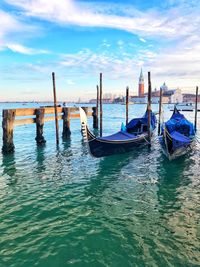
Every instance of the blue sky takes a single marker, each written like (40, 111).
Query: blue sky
(79, 39)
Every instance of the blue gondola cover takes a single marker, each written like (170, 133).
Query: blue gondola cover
(177, 135)
(137, 123)
(180, 124)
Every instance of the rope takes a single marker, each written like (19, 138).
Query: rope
(168, 134)
(146, 140)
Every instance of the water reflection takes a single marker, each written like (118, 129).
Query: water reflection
(40, 158)
(61, 161)
(178, 206)
(171, 178)
(109, 171)
(9, 168)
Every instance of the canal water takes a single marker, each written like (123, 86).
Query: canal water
(61, 207)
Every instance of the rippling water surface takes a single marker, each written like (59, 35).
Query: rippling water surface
(61, 207)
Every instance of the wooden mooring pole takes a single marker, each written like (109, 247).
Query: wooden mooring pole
(149, 108)
(127, 102)
(8, 124)
(66, 123)
(101, 109)
(196, 101)
(160, 111)
(96, 114)
(39, 126)
(55, 108)
(95, 117)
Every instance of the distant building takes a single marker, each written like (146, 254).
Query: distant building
(118, 100)
(93, 101)
(155, 93)
(141, 85)
(108, 96)
(168, 96)
(190, 98)
(171, 96)
(164, 87)
(107, 100)
(138, 99)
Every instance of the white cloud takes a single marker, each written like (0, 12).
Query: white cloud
(25, 50)
(178, 27)
(176, 67)
(171, 23)
(120, 43)
(12, 30)
(142, 40)
(9, 24)
(105, 43)
(89, 63)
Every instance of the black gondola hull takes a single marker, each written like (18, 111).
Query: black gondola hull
(100, 148)
(170, 151)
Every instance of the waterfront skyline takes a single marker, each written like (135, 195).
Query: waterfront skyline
(79, 39)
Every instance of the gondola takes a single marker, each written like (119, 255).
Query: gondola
(135, 133)
(177, 136)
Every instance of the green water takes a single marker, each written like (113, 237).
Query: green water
(61, 207)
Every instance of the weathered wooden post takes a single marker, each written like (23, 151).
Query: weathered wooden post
(66, 123)
(7, 125)
(95, 117)
(97, 109)
(55, 108)
(127, 102)
(149, 108)
(160, 111)
(39, 126)
(196, 101)
(101, 109)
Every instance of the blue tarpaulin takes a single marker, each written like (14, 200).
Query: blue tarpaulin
(120, 136)
(135, 124)
(179, 123)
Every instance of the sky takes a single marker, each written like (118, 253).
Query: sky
(79, 39)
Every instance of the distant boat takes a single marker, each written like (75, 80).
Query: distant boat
(183, 106)
(129, 103)
(178, 136)
(131, 136)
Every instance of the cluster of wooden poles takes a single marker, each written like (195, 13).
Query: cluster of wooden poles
(67, 113)
(13, 117)
(149, 110)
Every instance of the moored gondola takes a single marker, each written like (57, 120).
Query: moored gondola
(135, 133)
(178, 136)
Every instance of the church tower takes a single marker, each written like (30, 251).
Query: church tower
(141, 85)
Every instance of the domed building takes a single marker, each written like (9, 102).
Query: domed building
(164, 87)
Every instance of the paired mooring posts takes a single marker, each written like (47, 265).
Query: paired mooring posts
(55, 108)
(40, 116)
(99, 100)
(160, 111)
(195, 116)
(127, 102)
(101, 108)
(149, 108)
